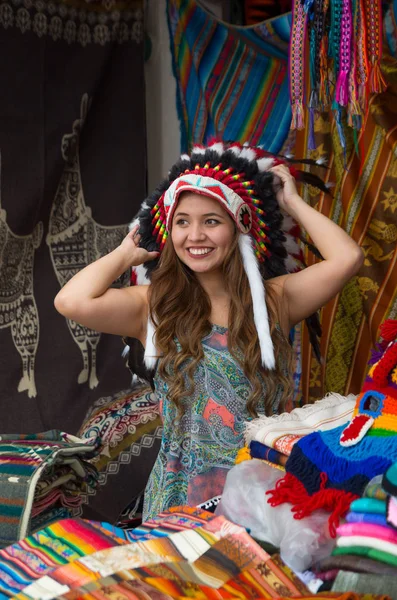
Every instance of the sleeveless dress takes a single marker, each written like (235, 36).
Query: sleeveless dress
(199, 447)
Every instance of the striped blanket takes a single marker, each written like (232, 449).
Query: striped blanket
(232, 81)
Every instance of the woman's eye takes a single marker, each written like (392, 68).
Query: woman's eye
(181, 222)
(212, 222)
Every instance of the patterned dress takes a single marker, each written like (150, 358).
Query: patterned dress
(199, 448)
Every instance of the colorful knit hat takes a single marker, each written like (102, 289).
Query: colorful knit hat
(389, 484)
(239, 177)
(330, 469)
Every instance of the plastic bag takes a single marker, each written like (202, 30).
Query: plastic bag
(244, 501)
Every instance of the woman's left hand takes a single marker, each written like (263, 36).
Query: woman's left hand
(288, 192)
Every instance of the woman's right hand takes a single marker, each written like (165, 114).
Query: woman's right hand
(132, 252)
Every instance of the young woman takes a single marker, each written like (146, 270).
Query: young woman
(216, 316)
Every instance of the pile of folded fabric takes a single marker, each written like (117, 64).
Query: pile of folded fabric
(370, 530)
(41, 479)
(365, 556)
(182, 553)
(272, 438)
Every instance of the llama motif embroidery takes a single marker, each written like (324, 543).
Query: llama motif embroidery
(18, 309)
(75, 239)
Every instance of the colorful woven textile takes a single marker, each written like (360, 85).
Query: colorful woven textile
(130, 429)
(38, 473)
(263, 452)
(214, 555)
(282, 431)
(231, 81)
(42, 552)
(363, 203)
(70, 539)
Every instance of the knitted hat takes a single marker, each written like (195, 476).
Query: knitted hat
(239, 178)
(330, 469)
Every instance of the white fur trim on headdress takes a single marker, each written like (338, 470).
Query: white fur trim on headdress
(150, 357)
(218, 147)
(261, 317)
(264, 164)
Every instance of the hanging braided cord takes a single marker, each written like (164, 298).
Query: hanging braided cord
(345, 52)
(373, 16)
(296, 63)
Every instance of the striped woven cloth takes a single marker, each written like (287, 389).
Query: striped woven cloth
(232, 82)
(41, 475)
(58, 544)
(364, 203)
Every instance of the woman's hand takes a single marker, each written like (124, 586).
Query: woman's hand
(288, 194)
(132, 253)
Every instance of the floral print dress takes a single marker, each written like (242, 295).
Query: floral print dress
(200, 447)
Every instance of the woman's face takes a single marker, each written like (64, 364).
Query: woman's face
(202, 232)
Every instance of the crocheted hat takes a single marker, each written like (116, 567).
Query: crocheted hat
(330, 469)
(239, 178)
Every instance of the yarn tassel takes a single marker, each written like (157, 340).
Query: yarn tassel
(388, 330)
(290, 489)
(342, 92)
(377, 83)
(297, 115)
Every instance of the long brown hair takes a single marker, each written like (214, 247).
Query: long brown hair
(181, 309)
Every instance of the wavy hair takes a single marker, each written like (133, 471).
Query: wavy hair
(174, 290)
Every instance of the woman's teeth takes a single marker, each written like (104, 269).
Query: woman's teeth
(200, 251)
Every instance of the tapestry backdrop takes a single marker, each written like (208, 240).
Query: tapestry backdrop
(72, 146)
(364, 203)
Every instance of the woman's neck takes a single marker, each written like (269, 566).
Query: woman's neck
(213, 284)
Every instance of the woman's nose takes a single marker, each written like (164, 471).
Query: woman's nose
(196, 232)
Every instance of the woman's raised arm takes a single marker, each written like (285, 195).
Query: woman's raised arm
(89, 300)
(310, 289)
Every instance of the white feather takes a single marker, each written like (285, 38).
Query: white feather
(322, 160)
(217, 147)
(185, 157)
(248, 153)
(236, 150)
(258, 300)
(133, 224)
(141, 277)
(264, 164)
(198, 150)
(150, 357)
(291, 264)
(290, 245)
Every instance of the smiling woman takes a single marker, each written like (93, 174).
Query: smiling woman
(215, 318)
(202, 234)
